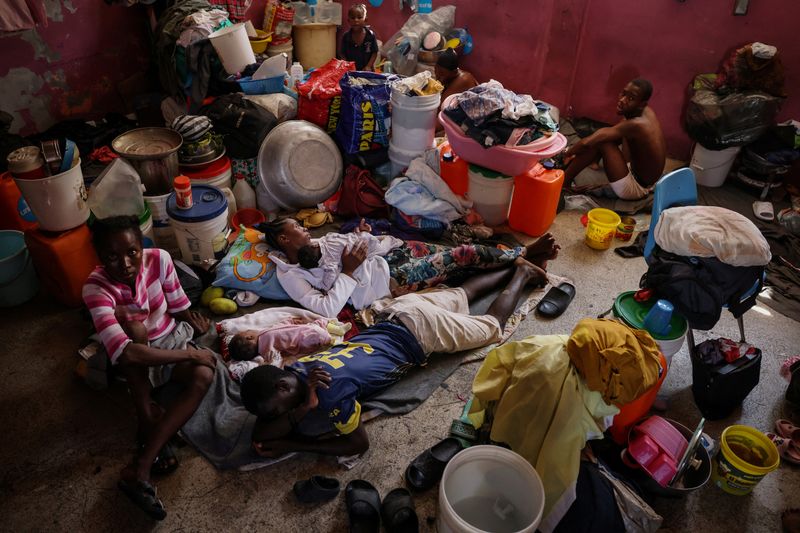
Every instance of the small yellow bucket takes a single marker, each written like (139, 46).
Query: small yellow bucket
(746, 455)
(601, 228)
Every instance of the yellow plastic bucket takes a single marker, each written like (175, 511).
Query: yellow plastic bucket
(746, 455)
(601, 228)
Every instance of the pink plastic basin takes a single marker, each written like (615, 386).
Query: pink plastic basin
(504, 159)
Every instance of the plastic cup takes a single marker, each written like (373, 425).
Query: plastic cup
(657, 320)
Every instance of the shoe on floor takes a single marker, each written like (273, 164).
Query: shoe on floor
(316, 489)
(427, 468)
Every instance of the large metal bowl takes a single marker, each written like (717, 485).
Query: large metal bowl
(299, 165)
(153, 153)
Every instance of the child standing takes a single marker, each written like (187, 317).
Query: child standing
(359, 43)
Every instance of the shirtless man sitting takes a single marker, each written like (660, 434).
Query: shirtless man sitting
(633, 151)
(452, 77)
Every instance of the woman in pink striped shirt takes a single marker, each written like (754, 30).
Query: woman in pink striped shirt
(143, 319)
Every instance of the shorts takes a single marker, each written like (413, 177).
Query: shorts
(439, 319)
(178, 339)
(628, 188)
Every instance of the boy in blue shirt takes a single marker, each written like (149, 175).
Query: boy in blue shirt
(319, 395)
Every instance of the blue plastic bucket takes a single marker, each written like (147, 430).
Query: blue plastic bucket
(18, 281)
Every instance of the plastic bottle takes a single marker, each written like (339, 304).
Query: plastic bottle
(454, 172)
(183, 192)
(244, 194)
(296, 73)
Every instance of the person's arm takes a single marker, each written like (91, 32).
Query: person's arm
(354, 443)
(323, 303)
(141, 354)
(370, 66)
(613, 134)
(198, 322)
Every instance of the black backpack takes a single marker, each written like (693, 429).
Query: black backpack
(698, 287)
(243, 124)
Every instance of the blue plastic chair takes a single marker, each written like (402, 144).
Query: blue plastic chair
(678, 188)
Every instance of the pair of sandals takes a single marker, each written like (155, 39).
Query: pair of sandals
(787, 440)
(366, 511)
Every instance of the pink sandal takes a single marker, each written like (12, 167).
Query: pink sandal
(786, 448)
(787, 430)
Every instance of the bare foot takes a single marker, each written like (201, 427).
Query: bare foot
(536, 276)
(543, 250)
(595, 166)
(790, 519)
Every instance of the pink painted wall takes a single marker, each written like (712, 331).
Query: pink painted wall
(669, 42)
(577, 54)
(71, 68)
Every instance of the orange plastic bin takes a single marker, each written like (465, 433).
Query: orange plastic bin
(63, 261)
(632, 412)
(535, 200)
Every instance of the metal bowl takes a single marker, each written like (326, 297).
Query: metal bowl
(153, 153)
(299, 165)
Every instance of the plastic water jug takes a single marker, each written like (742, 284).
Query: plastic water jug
(535, 200)
(296, 73)
(454, 171)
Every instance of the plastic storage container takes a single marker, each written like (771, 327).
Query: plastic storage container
(163, 232)
(413, 122)
(315, 44)
(601, 228)
(490, 193)
(217, 173)
(633, 313)
(15, 214)
(233, 48)
(18, 281)
(489, 488)
(454, 171)
(503, 159)
(328, 12)
(711, 167)
(285, 48)
(634, 411)
(146, 225)
(259, 45)
(200, 230)
(271, 85)
(535, 200)
(63, 261)
(58, 202)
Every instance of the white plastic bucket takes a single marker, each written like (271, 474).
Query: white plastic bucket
(489, 488)
(491, 197)
(711, 167)
(413, 122)
(146, 226)
(400, 159)
(163, 233)
(221, 180)
(287, 49)
(315, 44)
(18, 281)
(233, 48)
(59, 202)
(200, 231)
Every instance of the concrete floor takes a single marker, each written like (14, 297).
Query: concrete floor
(65, 444)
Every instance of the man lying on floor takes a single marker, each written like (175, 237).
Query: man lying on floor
(320, 393)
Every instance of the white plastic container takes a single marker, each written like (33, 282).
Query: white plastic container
(58, 202)
(400, 159)
(233, 48)
(711, 167)
(489, 488)
(296, 73)
(328, 12)
(413, 122)
(244, 194)
(491, 197)
(200, 230)
(163, 232)
(146, 225)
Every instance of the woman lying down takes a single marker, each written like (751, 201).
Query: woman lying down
(325, 274)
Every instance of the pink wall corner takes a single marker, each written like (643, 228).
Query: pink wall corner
(71, 67)
(670, 42)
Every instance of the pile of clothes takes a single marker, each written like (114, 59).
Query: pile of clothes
(493, 115)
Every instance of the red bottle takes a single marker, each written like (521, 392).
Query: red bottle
(454, 171)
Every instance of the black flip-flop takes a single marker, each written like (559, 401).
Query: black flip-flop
(427, 468)
(556, 300)
(398, 513)
(143, 494)
(316, 489)
(363, 507)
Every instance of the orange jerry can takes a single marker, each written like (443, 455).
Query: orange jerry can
(63, 261)
(535, 200)
(454, 171)
(14, 211)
